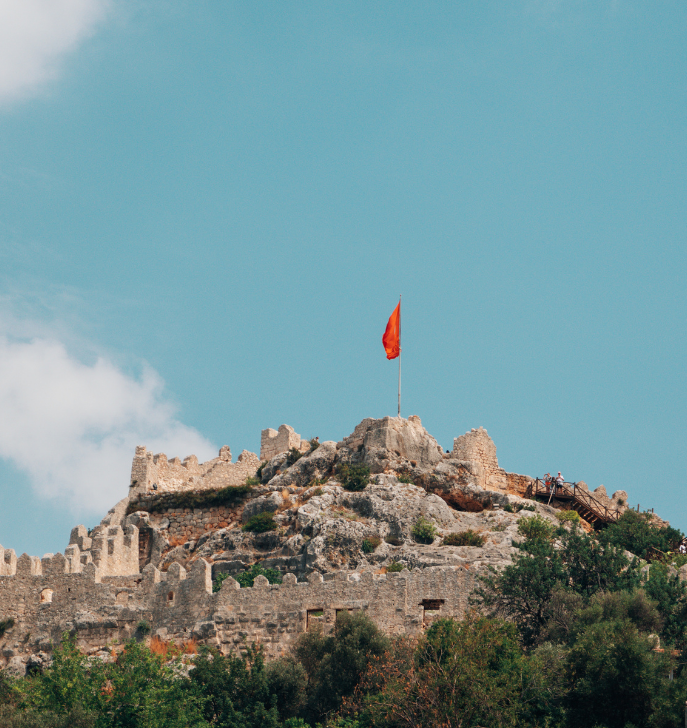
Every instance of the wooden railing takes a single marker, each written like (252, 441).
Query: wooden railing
(590, 508)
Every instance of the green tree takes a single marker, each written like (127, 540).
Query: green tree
(634, 532)
(334, 663)
(243, 692)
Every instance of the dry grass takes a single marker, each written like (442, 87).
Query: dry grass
(175, 541)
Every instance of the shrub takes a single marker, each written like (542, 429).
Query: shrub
(353, 477)
(464, 538)
(370, 544)
(314, 444)
(143, 627)
(517, 507)
(260, 522)
(536, 528)
(230, 496)
(258, 473)
(500, 527)
(293, 456)
(246, 578)
(395, 566)
(252, 481)
(568, 516)
(530, 507)
(6, 624)
(636, 533)
(424, 531)
(405, 478)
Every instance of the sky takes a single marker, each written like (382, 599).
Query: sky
(208, 212)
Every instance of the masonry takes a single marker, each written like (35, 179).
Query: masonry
(48, 597)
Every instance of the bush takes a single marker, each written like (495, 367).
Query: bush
(464, 538)
(258, 472)
(517, 507)
(424, 531)
(293, 456)
(6, 624)
(335, 663)
(395, 566)
(370, 544)
(536, 528)
(568, 516)
(314, 444)
(261, 522)
(353, 477)
(394, 540)
(405, 478)
(247, 577)
(230, 496)
(634, 532)
(143, 627)
(252, 481)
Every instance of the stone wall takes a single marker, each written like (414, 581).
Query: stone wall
(48, 598)
(185, 524)
(274, 442)
(155, 473)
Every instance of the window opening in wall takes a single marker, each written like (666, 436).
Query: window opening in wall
(315, 617)
(170, 598)
(432, 605)
(46, 596)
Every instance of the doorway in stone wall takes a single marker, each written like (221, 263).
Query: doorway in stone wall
(431, 609)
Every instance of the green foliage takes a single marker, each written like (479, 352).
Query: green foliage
(394, 567)
(353, 477)
(314, 444)
(244, 692)
(670, 594)
(139, 690)
(524, 591)
(568, 516)
(252, 481)
(6, 624)
(246, 578)
(424, 531)
(634, 532)
(335, 663)
(470, 673)
(536, 528)
(261, 467)
(370, 544)
(293, 456)
(517, 507)
(260, 522)
(405, 478)
(143, 627)
(464, 538)
(617, 678)
(232, 495)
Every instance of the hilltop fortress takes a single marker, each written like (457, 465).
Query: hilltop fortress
(148, 568)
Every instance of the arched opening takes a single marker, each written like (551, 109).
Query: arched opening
(46, 596)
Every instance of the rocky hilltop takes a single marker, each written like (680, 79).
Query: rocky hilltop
(364, 523)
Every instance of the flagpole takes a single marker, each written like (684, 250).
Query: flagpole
(399, 355)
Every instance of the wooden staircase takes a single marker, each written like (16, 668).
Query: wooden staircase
(579, 499)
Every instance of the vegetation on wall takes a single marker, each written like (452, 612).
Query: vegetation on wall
(230, 496)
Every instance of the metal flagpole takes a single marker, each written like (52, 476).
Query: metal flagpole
(399, 355)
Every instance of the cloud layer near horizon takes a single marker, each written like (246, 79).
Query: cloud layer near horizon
(36, 34)
(73, 427)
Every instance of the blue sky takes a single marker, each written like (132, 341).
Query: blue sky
(208, 212)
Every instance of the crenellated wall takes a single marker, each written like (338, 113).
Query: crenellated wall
(50, 596)
(274, 442)
(155, 473)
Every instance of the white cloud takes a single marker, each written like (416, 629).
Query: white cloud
(72, 427)
(36, 34)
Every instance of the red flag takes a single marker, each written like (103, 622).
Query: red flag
(392, 335)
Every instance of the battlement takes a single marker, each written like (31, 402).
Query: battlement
(151, 472)
(274, 442)
(180, 603)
